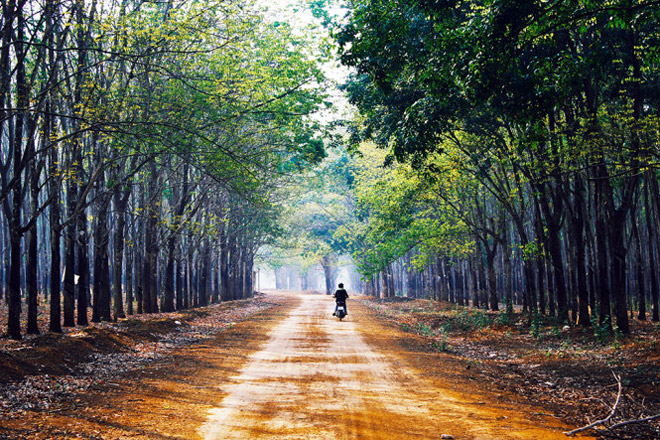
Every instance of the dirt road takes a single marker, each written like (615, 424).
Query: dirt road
(318, 378)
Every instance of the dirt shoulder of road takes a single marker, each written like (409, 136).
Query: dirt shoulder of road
(146, 377)
(567, 371)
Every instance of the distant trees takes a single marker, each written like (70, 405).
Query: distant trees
(545, 116)
(142, 147)
(315, 219)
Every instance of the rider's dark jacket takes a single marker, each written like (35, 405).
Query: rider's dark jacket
(341, 295)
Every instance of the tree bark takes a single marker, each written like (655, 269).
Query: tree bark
(576, 230)
(204, 278)
(224, 264)
(601, 251)
(102, 294)
(178, 278)
(168, 285)
(553, 242)
(16, 150)
(55, 270)
(121, 202)
(326, 263)
(82, 269)
(149, 283)
(652, 236)
(639, 271)
(384, 292)
(31, 282)
(32, 263)
(129, 279)
(69, 288)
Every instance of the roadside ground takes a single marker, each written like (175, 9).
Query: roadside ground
(567, 370)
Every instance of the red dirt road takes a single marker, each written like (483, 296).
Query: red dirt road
(318, 378)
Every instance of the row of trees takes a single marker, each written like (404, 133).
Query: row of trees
(319, 206)
(528, 137)
(144, 146)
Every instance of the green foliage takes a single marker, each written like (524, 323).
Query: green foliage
(441, 341)
(225, 89)
(601, 331)
(505, 318)
(554, 331)
(467, 320)
(536, 325)
(397, 210)
(424, 329)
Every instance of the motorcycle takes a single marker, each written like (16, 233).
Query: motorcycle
(341, 311)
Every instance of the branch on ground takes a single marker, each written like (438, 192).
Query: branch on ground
(605, 422)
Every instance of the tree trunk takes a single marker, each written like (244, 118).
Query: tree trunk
(639, 270)
(654, 191)
(55, 270)
(129, 280)
(652, 237)
(247, 276)
(14, 298)
(69, 287)
(138, 276)
(477, 263)
(492, 281)
(82, 268)
(390, 280)
(178, 271)
(539, 259)
(121, 202)
(55, 324)
(32, 263)
(31, 282)
(576, 230)
(506, 267)
(385, 292)
(224, 265)
(237, 273)
(601, 251)
(102, 294)
(14, 294)
(149, 283)
(168, 286)
(553, 242)
(185, 281)
(618, 273)
(326, 263)
(204, 278)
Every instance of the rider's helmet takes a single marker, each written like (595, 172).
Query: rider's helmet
(341, 285)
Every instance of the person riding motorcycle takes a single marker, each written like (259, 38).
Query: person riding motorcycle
(340, 297)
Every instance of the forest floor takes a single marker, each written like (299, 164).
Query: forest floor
(183, 375)
(567, 370)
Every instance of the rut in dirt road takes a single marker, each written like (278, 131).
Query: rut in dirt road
(318, 378)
